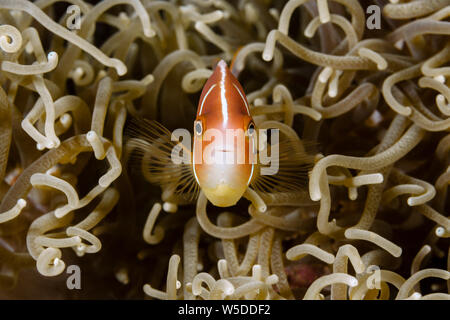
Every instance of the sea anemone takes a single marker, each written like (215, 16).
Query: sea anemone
(368, 102)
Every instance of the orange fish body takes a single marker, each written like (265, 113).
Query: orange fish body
(223, 111)
(222, 163)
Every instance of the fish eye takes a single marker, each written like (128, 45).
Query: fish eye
(251, 129)
(198, 127)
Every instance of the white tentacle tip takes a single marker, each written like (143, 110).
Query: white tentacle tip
(399, 44)
(441, 232)
(147, 288)
(199, 25)
(332, 92)
(120, 67)
(309, 32)
(415, 296)
(229, 291)
(377, 178)
(382, 65)
(61, 212)
(267, 56)
(91, 135)
(196, 291)
(325, 74)
(78, 240)
(52, 55)
(149, 33)
(39, 146)
(148, 79)
(221, 15)
(440, 78)
(353, 282)
(406, 111)
(440, 99)
(21, 203)
(170, 207)
(256, 271)
(315, 196)
(272, 279)
(65, 120)
(29, 48)
(50, 144)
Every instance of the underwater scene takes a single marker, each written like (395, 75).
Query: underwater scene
(225, 150)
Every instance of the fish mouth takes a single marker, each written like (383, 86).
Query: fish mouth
(223, 149)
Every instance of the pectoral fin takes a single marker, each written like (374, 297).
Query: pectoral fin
(286, 172)
(149, 147)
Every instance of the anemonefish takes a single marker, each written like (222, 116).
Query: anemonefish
(223, 111)
(223, 106)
